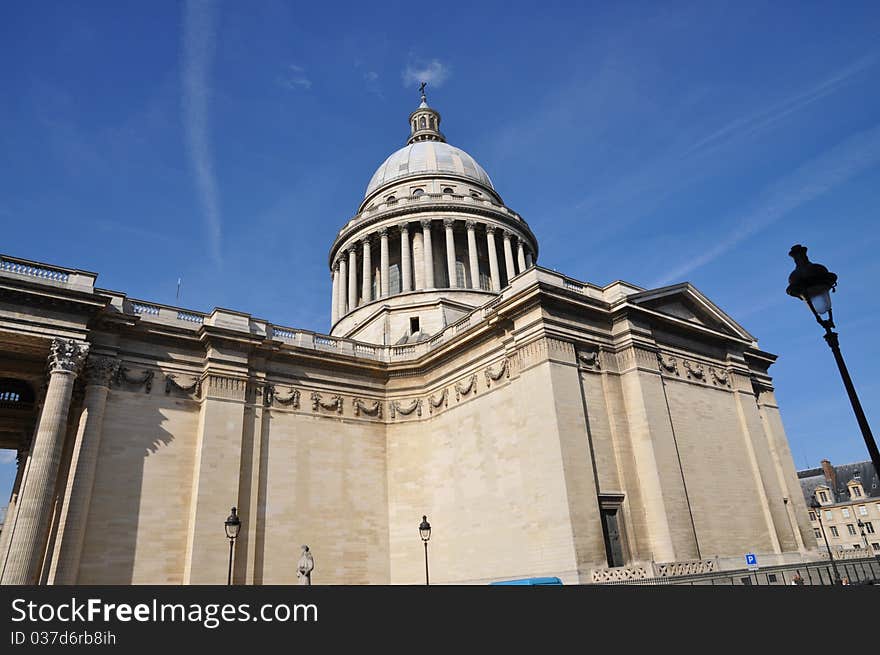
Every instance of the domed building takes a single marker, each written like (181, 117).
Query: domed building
(544, 426)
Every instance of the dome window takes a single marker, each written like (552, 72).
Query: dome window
(422, 123)
(390, 199)
(448, 189)
(418, 192)
(476, 194)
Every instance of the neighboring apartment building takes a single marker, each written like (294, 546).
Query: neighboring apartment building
(850, 498)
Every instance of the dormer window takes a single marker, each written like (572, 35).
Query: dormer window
(823, 496)
(418, 192)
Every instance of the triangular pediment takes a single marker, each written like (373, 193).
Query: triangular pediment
(685, 302)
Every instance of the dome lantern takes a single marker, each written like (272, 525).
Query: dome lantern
(424, 122)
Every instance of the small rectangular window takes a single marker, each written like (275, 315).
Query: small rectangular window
(869, 527)
(863, 510)
(812, 516)
(828, 515)
(856, 492)
(771, 577)
(823, 496)
(856, 547)
(817, 533)
(851, 528)
(834, 532)
(845, 513)
(875, 545)
(413, 324)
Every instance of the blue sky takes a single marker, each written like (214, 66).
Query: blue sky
(225, 144)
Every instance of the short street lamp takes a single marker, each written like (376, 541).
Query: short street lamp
(817, 508)
(813, 283)
(864, 536)
(425, 533)
(233, 525)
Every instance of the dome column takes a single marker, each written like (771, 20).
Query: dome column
(352, 279)
(508, 256)
(334, 304)
(405, 259)
(367, 272)
(448, 224)
(472, 254)
(342, 295)
(520, 255)
(428, 253)
(493, 258)
(529, 260)
(383, 262)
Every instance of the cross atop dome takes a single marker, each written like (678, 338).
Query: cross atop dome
(424, 122)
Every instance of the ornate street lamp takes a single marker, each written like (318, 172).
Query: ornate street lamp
(864, 536)
(232, 525)
(425, 533)
(813, 283)
(817, 508)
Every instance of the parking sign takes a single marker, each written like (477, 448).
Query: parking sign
(751, 561)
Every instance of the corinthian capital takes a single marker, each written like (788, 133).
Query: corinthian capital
(426, 223)
(470, 225)
(100, 370)
(448, 222)
(67, 355)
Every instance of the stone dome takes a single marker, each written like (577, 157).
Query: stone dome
(426, 157)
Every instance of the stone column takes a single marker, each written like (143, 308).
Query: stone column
(529, 260)
(343, 285)
(21, 461)
(367, 272)
(406, 282)
(334, 303)
(418, 252)
(352, 279)
(385, 273)
(520, 256)
(508, 256)
(428, 253)
(493, 258)
(449, 223)
(81, 477)
(28, 542)
(472, 254)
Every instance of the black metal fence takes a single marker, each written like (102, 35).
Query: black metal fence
(863, 571)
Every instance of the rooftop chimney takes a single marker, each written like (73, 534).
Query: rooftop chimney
(830, 476)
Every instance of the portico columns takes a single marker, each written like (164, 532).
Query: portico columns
(352, 279)
(428, 253)
(529, 259)
(28, 541)
(343, 285)
(383, 263)
(80, 480)
(493, 258)
(448, 224)
(472, 254)
(405, 260)
(334, 304)
(520, 256)
(367, 272)
(508, 256)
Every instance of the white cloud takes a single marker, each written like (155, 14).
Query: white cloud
(433, 72)
(7, 457)
(295, 78)
(371, 76)
(199, 37)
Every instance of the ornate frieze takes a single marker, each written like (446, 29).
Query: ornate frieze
(67, 355)
(694, 370)
(333, 405)
(589, 359)
(494, 376)
(463, 389)
(720, 377)
(100, 371)
(439, 402)
(370, 409)
(225, 386)
(123, 378)
(668, 363)
(414, 406)
(193, 389)
(291, 399)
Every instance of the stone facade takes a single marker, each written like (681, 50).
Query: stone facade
(546, 426)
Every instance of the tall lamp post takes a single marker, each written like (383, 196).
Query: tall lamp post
(816, 507)
(232, 525)
(812, 283)
(425, 533)
(864, 536)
